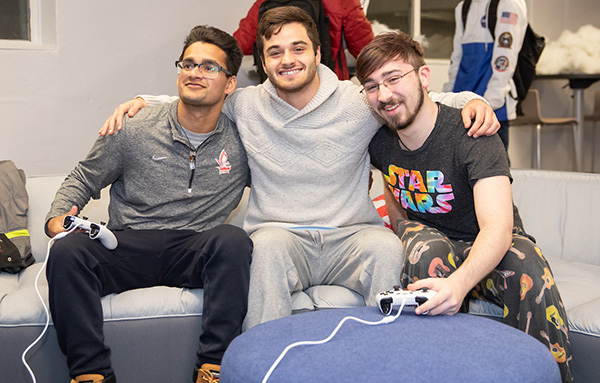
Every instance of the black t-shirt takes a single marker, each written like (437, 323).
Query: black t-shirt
(434, 183)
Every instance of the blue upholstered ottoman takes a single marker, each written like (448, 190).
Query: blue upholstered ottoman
(460, 348)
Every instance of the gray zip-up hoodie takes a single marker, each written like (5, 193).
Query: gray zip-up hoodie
(149, 167)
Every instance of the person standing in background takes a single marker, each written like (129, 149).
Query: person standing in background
(348, 25)
(483, 64)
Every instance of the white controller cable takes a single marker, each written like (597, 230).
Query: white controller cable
(385, 320)
(54, 239)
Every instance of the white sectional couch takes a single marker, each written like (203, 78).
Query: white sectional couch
(153, 332)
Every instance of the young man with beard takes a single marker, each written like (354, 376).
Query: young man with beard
(168, 202)
(307, 135)
(450, 202)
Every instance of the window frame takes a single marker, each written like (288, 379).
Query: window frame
(42, 25)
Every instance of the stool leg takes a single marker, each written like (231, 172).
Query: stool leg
(538, 139)
(593, 146)
(578, 148)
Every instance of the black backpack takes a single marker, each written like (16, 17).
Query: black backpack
(315, 9)
(533, 45)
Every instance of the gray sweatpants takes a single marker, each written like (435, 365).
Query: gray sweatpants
(367, 259)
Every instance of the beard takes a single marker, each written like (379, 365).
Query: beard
(295, 86)
(402, 121)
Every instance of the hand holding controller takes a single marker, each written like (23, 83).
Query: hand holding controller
(387, 300)
(94, 230)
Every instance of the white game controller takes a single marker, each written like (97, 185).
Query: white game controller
(95, 231)
(387, 300)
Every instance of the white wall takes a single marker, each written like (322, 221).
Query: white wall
(52, 103)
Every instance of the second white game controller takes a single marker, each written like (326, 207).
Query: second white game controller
(94, 230)
(387, 300)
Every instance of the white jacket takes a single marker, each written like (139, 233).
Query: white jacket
(482, 65)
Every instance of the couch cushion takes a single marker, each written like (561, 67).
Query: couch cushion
(20, 306)
(560, 210)
(579, 286)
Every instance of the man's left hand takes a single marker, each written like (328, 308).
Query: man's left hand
(480, 119)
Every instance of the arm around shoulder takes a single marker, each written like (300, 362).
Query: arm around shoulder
(478, 116)
(130, 108)
(456, 100)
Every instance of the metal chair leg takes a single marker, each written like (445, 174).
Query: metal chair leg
(593, 146)
(538, 140)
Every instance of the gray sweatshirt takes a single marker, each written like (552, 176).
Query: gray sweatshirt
(148, 166)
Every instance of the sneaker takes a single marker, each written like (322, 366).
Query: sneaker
(94, 378)
(207, 373)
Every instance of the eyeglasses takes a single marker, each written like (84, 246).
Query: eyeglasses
(388, 82)
(208, 70)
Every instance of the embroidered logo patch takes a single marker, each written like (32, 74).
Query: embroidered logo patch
(223, 161)
(501, 64)
(505, 40)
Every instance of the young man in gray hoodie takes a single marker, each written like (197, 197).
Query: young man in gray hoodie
(176, 173)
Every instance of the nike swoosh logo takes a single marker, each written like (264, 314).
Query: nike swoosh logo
(155, 158)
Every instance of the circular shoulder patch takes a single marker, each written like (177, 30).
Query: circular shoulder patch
(505, 40)
(501, 63)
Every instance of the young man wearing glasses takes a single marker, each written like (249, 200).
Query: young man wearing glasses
(307, 134)
(450, 202)
(176, 173)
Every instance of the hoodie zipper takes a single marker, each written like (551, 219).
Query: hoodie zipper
(192, 167)
(192, 156)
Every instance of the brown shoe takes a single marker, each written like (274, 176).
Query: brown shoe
(94, 378)
(207, 373)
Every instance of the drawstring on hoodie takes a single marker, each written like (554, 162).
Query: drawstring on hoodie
(317, 237)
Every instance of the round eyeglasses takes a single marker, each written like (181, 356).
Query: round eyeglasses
(372, 88)
(207, 69)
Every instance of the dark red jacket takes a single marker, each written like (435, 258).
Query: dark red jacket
(346, 19)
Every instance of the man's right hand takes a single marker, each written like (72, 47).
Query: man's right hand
(55, 225)
(130, 107)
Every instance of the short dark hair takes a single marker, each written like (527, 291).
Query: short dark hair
(384, 48)
(274, 19)
(223, 40)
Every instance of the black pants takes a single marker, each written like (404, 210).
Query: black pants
(81, 271)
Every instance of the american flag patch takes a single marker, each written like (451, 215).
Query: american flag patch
(509, 18)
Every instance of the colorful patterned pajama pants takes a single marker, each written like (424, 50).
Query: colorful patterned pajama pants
(522, 283)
